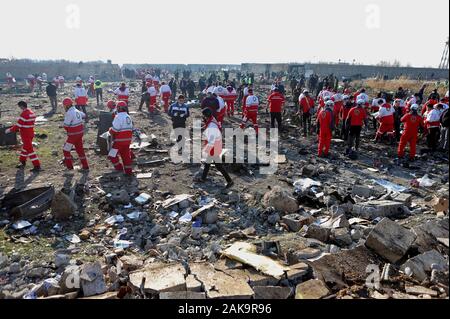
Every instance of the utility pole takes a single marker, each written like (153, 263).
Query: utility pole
(444, 59)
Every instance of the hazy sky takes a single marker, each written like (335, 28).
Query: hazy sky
(231, 31)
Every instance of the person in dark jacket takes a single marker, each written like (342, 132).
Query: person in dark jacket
(179, 112)
(52, 94)
(145, 97)
(445, 123)
(211, 102)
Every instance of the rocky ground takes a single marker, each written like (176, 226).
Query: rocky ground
(318, 228)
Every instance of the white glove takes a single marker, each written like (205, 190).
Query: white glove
(7, 131)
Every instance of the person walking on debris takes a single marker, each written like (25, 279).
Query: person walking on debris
(433, 126)
(230, 99)
(355, 120)
(306, 103)
(145, 98)
(122, 135)
(276, 101)
(251, 111)
(386, 120)
(412, 122)
(212, 140)
(325, 121)
(98, 87)
(212, 103)
(179, 112)
(165, 92)
(73, 124)
(52, 93)
(81, 99)
(25, 126)
(173, 88)
(123, 93)
(348, 105)
(152, 96)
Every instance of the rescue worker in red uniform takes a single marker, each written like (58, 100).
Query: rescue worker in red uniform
(412, 122)
(276, 101)
(306, 104)
(123, 93)
(212, 147)
(165, 92)
(122, 135)
(355, 120)
(73, 124)
(25, 126)
(111, 105)
(251, 111)
(230, 99)
(325, 120)
(81, 98)
(338, 100)
(153, 94)
(348, 104)
(386, 119)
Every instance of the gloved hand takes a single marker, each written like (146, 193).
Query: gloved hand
(7, 131)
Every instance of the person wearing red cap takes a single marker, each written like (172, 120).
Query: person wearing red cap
(230, 99)
(251, 111)
(111, 105)
(122, 135)
(276, 101)
(25, 125)
(73, 124)
(412, 122)
(325, 121)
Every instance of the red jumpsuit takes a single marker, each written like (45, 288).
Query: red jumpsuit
(386, 118)
(153, 93)
(251, 112)
(73, 124)
(25, 125)
(338, 106)
(325, 120)
(230, 100)
(122, 135)
(412, 123)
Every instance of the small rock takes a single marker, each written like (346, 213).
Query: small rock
(14, 268)
(62, 207)
(312, 289)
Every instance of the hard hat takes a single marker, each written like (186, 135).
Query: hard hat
(305, 91)
(414, 107)
(122, 105)
(345, 97)
(330, 103)
(360, 102)
(67, 102)
(111, 105)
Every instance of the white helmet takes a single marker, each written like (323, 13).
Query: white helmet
(345, 97)
(360, 102)
(330, 103)
(414, 107)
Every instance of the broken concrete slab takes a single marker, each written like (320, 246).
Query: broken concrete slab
(281, 200)
(246, 254)
(341, 236)
(402, 198)
(390, 240)
(379, 208)
(419, 290)
(295, 222)
(92, 279)
(421, 264)
(336, 222)
(298, 272)
(272, 292)
(312, 289)
(131, 263)
(192, 284)
(307, 253)
(218, 284)
(318, 232)
(366, 191)
(159, 278)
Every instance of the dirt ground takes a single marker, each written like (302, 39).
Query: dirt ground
(376, 162)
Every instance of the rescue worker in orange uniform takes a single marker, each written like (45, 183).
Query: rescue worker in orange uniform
(25, 126)
(325, 120)
(412, 122)
(73, 124)
(122, 135)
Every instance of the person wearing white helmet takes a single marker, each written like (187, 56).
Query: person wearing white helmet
(411, 124)
(356, 118)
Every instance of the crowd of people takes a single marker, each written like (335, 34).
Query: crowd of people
(333, 111)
